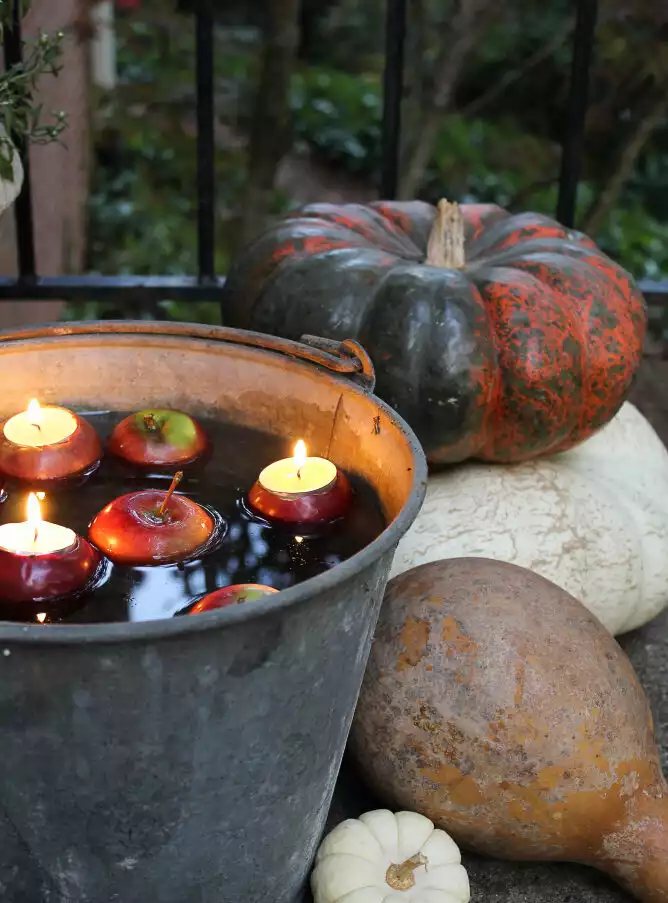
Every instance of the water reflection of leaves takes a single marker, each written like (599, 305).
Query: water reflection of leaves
(246, 557)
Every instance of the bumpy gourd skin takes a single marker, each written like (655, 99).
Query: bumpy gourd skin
(497, 706)
(527, 350)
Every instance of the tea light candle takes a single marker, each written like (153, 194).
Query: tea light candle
(35, 536)
(152, 527)
(40, 426)
(238, 594)
(48, 444)
(41, 562)
(301, 490)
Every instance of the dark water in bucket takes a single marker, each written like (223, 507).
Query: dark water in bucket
(250, 550)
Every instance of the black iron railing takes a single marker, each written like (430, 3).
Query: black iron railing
(148, 290)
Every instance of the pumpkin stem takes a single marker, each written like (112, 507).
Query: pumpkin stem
(402, 876)
(445, 247)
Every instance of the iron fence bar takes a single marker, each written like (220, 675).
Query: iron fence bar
(393, 87)
(25, 235)
(578, 100)
(206, 183)
(147, 290)
(151, 289)
(655, 292)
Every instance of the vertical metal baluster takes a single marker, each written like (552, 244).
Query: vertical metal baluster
(573, 143)
(393, 86)
(25, 235)
(206, 184)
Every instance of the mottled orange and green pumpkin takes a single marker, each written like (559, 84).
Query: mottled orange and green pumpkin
(524, 344)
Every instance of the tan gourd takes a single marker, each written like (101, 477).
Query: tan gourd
(495, 704)
(381, 857)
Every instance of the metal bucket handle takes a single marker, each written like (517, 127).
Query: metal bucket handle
(346, 358)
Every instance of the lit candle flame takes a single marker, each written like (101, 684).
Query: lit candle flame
(34, 513)
(34, 516)
(41, 617)
(300, 456)
(35, 413)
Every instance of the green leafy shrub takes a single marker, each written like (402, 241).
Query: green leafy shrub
(21, 117)
(338, 116)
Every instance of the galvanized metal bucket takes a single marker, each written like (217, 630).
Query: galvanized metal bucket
(193, 760)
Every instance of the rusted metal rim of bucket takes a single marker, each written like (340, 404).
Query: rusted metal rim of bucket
(60, 634)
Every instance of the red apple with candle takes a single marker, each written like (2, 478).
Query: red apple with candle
(152, 527)
(238, 594)
(48, 445)
(301, 490)
(159, 437)
(42, 562)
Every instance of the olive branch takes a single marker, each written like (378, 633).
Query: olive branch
(20, 116)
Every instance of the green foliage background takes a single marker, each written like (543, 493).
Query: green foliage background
(505, 150)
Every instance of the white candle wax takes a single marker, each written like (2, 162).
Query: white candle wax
(35, 539)
(39, 426)
(299, 474)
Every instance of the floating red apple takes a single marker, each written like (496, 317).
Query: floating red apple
(151, 527)
(42, 562)
(232, 595)
(159, 437)
(47, 445)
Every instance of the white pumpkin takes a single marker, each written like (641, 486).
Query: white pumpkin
(593, 520)
(386, 858)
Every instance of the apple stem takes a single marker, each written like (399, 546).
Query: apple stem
(178, 476)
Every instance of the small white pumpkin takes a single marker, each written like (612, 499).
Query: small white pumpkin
(593, 520)
(381, 857)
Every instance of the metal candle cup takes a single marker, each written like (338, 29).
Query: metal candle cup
(301, 490)
(48, 445)
(42, 562)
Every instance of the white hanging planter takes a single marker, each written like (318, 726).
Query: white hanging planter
(10, 188)
(103, 46)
